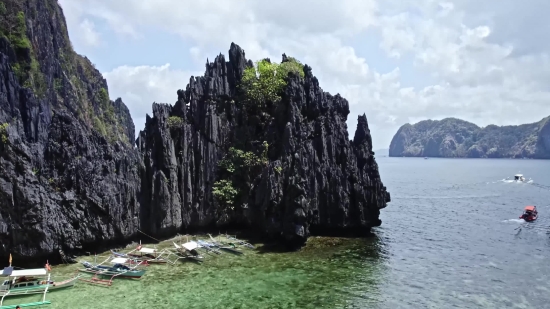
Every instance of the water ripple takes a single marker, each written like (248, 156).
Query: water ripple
(455, 239)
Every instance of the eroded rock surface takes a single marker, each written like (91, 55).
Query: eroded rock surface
(71, 178)
(316, 179)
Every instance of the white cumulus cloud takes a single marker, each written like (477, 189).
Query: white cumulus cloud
(485, 62)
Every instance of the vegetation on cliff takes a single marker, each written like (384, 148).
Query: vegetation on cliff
(264, 82)
(262, 86)
(69, 171)
(453, 137)
(74, 83)
(13, 27)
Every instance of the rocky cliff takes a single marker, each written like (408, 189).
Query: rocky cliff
(452, 137)
(286, 168)
(71, 178)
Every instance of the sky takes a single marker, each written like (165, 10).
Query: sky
(396, 61)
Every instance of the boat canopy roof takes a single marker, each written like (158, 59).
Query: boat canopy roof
(8, 271)
(519, 175)
(119, 260)
(190, 245)
(147, 250)
(530, 208)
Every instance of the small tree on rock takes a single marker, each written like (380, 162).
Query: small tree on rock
(265, 81)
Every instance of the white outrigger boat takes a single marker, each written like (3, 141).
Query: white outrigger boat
(231, 248)
(519, 177)
(121, 268)
(148, 255)
(188, 250)
(239, 242)
(30, 281)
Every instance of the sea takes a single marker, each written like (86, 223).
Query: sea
(450, 238)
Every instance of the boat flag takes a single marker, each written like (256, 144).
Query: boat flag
(10, 259)
(139, 247)
(48, 266)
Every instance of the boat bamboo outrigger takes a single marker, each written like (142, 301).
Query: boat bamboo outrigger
(188, 251)
(240, 242)
(208, 247)
(230, 249)
(148, 255)
(30, 281)
(118, 270)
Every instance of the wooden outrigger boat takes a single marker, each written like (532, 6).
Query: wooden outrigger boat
(240, 242)
(118, 270)
(219, 245)
(30, 281)
(148, 255)
(208, 247)
(188, 251)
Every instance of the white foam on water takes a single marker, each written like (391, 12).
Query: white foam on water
(515, 220)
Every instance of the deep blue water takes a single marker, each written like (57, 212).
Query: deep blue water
(451, 237)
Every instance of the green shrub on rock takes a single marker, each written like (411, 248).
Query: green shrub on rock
(264, 82)
(174, 122)
(224, 192)
(4, 133)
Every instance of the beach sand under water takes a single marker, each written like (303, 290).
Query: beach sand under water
(326, 273)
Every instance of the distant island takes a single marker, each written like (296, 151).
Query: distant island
(455, 138)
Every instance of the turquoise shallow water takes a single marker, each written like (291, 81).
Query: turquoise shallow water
(450, 238)
(328, 273)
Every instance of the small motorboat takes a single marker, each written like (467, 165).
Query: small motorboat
(519, 177)
(529, 214)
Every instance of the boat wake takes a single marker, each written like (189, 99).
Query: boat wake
(515, 220)
(538, 185)
(508, 180)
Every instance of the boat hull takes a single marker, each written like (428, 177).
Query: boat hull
(40, 288)
(129, 275)
(140, 258)
(147, 259)
(231, 250)
(112, 271)
(529, 218)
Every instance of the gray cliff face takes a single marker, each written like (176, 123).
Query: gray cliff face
(452, 137)
(315, 180)
(71, 179)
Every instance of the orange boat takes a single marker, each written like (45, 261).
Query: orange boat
(530, 213)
